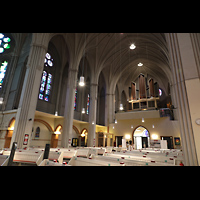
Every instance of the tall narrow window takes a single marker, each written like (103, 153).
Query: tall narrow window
(4, 44)
(3, 72)
(37, 132)
(75, 100)
(46, 80)
(88, 103)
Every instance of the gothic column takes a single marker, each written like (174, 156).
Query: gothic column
(92, 114)
(29, 96)
(186, 87)
(109, 109)
(69, 108)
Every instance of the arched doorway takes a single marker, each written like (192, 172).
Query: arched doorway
(141, 137)
(84, 137)
(54, 136)
(9, 133)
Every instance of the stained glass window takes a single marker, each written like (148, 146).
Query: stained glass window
(48, 61)
(46, 80)
(4, 42)
(88, 103)
(160, 92)
(75, 99)
(3, 68)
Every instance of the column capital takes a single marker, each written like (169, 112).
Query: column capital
(73, 70)
(94, 84)
(39, 45)
(109, 94)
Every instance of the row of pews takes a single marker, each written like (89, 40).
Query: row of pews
(93, 156)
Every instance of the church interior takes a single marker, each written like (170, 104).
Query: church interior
(99, 99)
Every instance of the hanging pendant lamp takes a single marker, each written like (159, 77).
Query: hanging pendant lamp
(83, 110)
(121, 106)
(81, 82)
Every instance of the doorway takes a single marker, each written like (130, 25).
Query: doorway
(9, 133)
(55, 135)
(84, 138)
(118, 140)
(54, 140)
(141, 137)
(169, 141)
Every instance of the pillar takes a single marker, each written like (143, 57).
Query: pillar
(92, 114)
(109, 109)
(69, 108)
(184, 66)
(29, 96)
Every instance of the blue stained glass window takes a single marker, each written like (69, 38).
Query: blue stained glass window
(46, 98)
(46, 79)
(48, 61)
(4, 44)
(41, 96)
(3, 69)
(88, 103)
(75, 99)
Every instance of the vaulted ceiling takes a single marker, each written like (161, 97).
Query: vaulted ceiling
(110, 53)
(118, 61)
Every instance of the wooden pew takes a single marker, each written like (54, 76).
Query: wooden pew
(4, 160)
(81, 152)
(78, 161)
(47, 162)
(55, 155)
(28, 157)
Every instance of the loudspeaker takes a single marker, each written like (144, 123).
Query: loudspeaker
(12, 153)
(46, 151)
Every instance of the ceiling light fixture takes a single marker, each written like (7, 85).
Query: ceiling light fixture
(140, 64)
(132, 46)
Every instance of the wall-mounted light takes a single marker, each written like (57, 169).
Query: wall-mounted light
(83, 134)
(11, 128)
(57, 132)
(127, 136)
(142, 119)
(154, 136)
(115, 121)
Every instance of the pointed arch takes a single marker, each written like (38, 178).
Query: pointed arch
(45, 123)
(76, 129)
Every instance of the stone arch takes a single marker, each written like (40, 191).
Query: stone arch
(45, 123)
